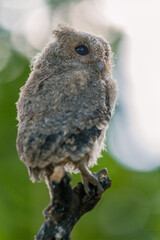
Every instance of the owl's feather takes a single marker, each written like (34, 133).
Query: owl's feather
(66, 104)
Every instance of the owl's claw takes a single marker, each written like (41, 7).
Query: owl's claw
(103, 172)
(91, 181)
(92, 185)
(46, 210)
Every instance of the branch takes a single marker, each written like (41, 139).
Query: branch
(68, 205)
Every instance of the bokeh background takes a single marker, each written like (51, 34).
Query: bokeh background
(130, 209)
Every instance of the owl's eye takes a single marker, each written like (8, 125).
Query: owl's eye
(82, 50)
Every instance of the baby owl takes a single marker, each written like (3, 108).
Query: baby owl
(66, 104)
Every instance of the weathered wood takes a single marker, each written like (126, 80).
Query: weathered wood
(68, 205)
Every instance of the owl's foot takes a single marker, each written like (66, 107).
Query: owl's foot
(56, 176)
(91, 181)
(46, 210)
(102, 172)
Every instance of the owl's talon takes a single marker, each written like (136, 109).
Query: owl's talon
(86, 188)
(103, 172)
(89, 180)
(46, 210)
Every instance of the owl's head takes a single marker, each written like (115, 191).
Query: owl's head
(73, 47)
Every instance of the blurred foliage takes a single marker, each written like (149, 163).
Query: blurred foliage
(57, 3)
(129, 210)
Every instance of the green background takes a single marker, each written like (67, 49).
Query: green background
(129, 210)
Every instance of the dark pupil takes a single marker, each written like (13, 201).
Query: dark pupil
(82, 50)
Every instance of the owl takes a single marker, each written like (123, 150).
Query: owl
(65, 106)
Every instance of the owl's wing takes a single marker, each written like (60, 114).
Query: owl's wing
(61, 147)
(75, 141)
(81, 121)
(81, 140)
(77, 144)
(66, 124)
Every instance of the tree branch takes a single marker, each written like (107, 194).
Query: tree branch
(68, 205)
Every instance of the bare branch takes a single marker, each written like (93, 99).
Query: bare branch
(68, 205)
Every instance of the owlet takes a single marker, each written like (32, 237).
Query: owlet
(66, 104)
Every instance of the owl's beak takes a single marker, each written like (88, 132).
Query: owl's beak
(100, 66)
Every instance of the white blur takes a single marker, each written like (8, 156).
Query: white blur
(138, 141)
(134, 136)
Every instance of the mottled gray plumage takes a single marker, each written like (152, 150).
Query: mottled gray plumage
(66, 104)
